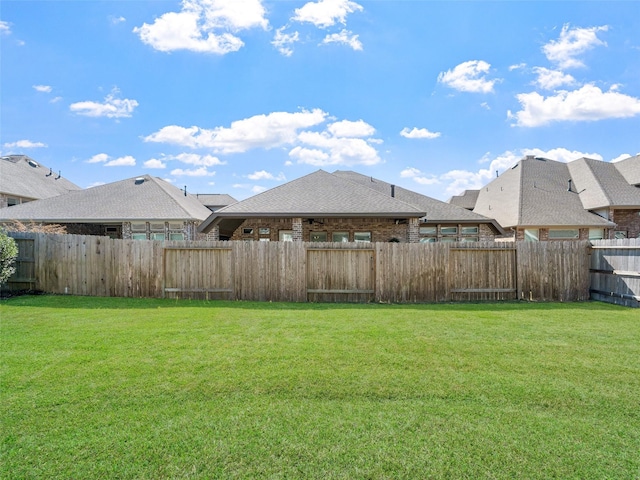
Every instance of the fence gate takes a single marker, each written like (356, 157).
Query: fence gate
(483, 273)
(24, 277)
(198, 273)
(340, 275)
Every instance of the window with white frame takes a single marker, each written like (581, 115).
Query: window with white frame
(157, 236)
(469, 230)
(564, 233)
(341, 237)
(318, 236)
(139, 236)
(428, 230)
(176, 236)
(596, 233)
(138, 227)
(449, 230)
(285, 235)
(620, 234)
(362, 237)
(428, 240)
(531, 235)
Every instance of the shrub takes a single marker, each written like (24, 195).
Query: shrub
(8, 254)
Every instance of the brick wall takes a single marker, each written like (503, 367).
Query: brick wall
(382, 229)
(627, 221)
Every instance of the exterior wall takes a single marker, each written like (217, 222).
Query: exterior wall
(15, 200)
(543, 234)
(627, 221)
(382, 229)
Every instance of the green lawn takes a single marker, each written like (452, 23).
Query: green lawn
(151, 389)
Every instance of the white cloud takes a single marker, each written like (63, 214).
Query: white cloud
(198, 172)
(43, 88)
(198, 160)
(284, 41)
(99, 158)
(25, 144)
(337, 150)
(347, 128)
(259, 131)
(345, 37)
(127, 161)
(552, 79)
(5, 28)
(418, 133)
(469, 77)
(55, 99)
(115, 20)
(264, 175)
(112, 107)
(517, 66)
(326, 13)
(155, 163)
(588, 103)
(206, 26)
(573, 42)
(621, 157)
(95, 184)
(460, 180)
(418, 176)
(258, 189)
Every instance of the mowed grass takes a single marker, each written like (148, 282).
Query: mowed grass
(152, 389)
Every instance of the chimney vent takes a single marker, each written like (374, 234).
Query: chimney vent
(393, 191)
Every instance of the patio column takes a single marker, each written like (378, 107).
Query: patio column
(413, 230)
(296, 227)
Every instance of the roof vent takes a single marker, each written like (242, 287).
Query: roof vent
(33, 163)
(139, 180)
(530, 157)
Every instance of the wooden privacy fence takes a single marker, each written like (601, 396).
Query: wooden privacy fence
(615, 271)
(301, 272)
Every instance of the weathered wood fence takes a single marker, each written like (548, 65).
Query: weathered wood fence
(301, 272)
(615, 271)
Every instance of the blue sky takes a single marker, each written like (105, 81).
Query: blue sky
(238, 96)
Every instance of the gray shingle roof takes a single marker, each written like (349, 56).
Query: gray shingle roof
(600, 184)
(140, 198)
(437, 211)
(319, 194)
(534, 192)
(630, 169)
(215, 201)
(21, 176)
(467, 200)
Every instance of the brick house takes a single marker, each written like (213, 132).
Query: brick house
(139, 208)
(342, 207)
(542, 199)
(23, 180)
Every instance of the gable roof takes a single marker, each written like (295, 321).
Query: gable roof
(534, 192)
(601, 184)
(437, 211)
(215, 201)
(22, 176)
(140, 198)
(467, 200)
(630, 169)
(319, 194)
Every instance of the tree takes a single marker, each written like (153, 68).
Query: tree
(8, 254)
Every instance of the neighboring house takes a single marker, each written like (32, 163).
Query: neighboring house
(467, 200)
(144, 207)
(319, 207)
(542, 199)
(443, 222)
(215, 201)
(23, 180)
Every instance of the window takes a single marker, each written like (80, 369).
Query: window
(138, 227)
(428, 230)
(175, 226)
(470, 239)
(157, 227)
(318, 236)
(448, 239)
(247, 231)
(362, 237)
(427, 240)
(285, 235)
(12, 201)
(531, 235)
(264, 231)
(157, 236)
(340, 237)
(449, 230)
(139, 236)
(112, 232)
(620, 234)
(176, 236)
(564, 234)
(469, 230)
(596, 233)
